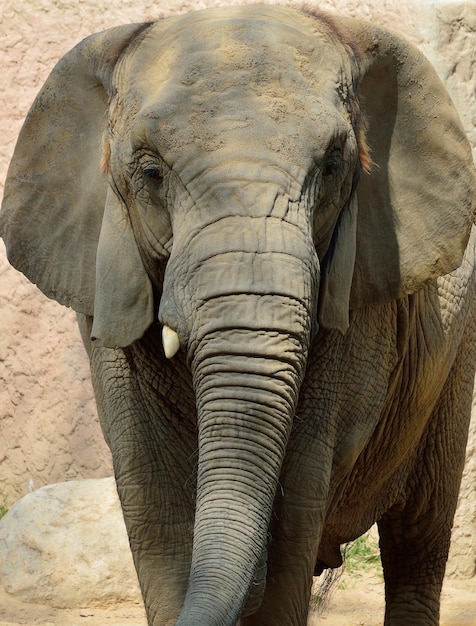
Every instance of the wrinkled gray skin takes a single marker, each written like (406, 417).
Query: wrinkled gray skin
(324, 372)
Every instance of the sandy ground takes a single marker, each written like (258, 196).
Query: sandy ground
(354, 601)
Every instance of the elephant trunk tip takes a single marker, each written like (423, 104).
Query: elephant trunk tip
(170, 342)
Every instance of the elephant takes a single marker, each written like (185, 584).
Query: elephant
(263, 218)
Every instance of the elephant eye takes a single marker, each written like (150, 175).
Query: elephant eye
(152, 172)
(150, 176)
(332, 163)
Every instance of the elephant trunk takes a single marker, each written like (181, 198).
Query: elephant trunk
(248, 351)
(245, 406)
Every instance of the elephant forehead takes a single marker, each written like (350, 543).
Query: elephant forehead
(259, 47)
(217, 80)
(260, 56)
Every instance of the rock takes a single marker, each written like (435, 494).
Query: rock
(66, 545)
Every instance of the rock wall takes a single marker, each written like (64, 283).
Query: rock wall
(50, 431)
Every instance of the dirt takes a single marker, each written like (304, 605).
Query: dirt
(355, 600)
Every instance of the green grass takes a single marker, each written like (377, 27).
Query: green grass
(363, 555)
(3, 511)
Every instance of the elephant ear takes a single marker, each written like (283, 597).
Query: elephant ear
(337, 271)
(416, 207)
(55, 194)
(124, 303)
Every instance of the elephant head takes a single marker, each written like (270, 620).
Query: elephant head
(244, 178)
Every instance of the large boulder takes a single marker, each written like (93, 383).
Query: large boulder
(66, 545)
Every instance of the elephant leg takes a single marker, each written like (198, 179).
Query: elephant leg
(153, 456)
(294, 533)
(415, 538)
(413, 569)
(290, 568)
(158, 512)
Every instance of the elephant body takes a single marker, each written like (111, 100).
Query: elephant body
(263, 218)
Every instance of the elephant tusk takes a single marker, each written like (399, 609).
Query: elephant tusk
(170, 341)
